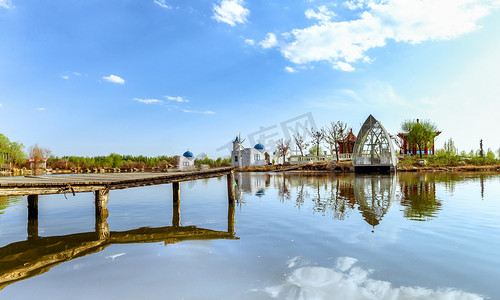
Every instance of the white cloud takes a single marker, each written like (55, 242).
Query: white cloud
(1, 104)
(65, 77)
(270, 41)
(41, 108)
(149, 101)
(339, 65)
(231, 12)
(290, 70)
(6, 4)
(177, 99)
(347, 281)
(114, 79)
(250, 42)
(323, 14)
(206, 112)
(413, 21)
(162, 3)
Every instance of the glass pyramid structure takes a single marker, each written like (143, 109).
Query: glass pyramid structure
(373, 148)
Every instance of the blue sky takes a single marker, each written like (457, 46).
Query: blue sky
(160, 77)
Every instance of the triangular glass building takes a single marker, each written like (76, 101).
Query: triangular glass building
(373, 150)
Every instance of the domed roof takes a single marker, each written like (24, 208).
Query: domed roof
(188, 154)
(259, 146)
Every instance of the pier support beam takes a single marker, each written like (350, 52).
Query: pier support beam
(230, 218)
(176, 214)
(32, 207)
(176, 192)
(101, 214)
(32, 216)
(230, 187)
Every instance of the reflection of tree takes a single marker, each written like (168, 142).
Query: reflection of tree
(301, 195)
(284, 193)
(374, 195)
(418, 196)
(338, 200)
(6, 201)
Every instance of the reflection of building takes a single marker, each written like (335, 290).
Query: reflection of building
(374, 195)
(256, 156)
(411, 149)
(254, 184)
(373, 150)
(186, 161)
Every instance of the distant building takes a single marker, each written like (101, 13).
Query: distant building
(256, 156)
(37, 164)
(347, 145)
(186, 161)
(411, 149)
(5, 161)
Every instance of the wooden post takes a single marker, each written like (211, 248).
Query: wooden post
(32, 207)
(32, 216)
(176, 192)
(230, 187)
(230, 218)
(101, 214)
(176, 215)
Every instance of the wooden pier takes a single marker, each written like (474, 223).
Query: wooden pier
(38, 254)
(101, 184)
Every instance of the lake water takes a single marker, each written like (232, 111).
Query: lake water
(404, 236)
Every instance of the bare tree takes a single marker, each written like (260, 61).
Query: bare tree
(283, 146)
(301, 144)
(317, 138)
(334, 134)
(38, 153)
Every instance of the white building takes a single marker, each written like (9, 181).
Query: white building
(186, 161)
(256, 156)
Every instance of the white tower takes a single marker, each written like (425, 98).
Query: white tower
(237, 147)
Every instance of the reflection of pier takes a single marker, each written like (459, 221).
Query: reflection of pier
(37, 255)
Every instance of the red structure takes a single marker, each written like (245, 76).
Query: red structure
(347, 145)
(410, 149)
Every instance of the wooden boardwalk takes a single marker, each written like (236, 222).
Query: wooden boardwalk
(59, 184)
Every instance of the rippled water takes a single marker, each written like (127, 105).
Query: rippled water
(405, 236)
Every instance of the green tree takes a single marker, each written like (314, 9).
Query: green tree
(315, 150)
(14, 150)
(421, 134)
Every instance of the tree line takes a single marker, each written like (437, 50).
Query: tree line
(13, 153)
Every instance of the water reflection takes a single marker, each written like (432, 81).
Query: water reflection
(418, 197)
(374, 195)
(348, 281)
(6, 201)
(339, 195)
(37, 255)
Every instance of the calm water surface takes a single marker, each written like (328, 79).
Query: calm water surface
(405, 236)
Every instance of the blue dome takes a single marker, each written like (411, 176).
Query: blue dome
(259, 146)
(188, 154)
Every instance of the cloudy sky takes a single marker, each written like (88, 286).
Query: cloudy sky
(157, 77)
